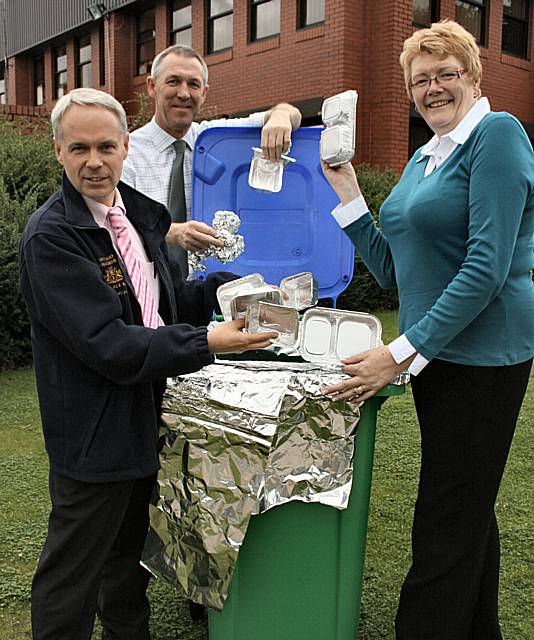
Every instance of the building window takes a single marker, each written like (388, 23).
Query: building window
(102, 54)
(425, 12)
(60, 71)
(146, 41)
(181, 21)
(264, 19)
(84, 77)
(3, 94)
(471, 14)
(38, 80)
(515, 27)
(310, 12)
(220, 25)
(419, 134)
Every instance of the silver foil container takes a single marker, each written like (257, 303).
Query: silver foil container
(240, 303)
(229, 290)
(301, 290)
(328, 336)
(267, 175)
(265, 317)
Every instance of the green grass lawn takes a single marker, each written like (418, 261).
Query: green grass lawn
(24, 507)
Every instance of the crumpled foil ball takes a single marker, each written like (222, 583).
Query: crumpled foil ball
(226, 223)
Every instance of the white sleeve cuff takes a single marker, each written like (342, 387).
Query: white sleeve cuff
(401, 348)
(349, 213)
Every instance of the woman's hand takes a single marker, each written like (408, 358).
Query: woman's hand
(369, 372)
(343, 181)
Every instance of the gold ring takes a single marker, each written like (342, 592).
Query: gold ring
(359, 389)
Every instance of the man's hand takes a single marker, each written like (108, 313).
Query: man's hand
(279, 122)
(193, 236)
(369, 372)
(228, 337)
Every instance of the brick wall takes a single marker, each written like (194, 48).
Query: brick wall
(358, 46)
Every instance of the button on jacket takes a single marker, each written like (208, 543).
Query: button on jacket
(101, 374)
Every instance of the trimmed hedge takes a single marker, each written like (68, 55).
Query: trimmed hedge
(29, 174)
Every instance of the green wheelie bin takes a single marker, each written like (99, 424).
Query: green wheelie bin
(300, 569)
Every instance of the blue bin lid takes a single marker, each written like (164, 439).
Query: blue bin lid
(286, 232)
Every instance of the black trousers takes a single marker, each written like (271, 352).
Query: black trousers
(90, 561)
(467, 416)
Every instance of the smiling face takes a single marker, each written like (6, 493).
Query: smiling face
(442, 104)
(92, 149)
(179, 92)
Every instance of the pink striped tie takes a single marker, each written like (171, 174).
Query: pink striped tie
(144, 296)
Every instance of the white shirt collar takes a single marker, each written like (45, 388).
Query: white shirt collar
(163, 140)
(461, 132)
(99, 210)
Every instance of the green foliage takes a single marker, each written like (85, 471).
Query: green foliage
(29, 174)
(364, 293)
(144, 114)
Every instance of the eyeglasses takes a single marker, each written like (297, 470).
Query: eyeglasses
(441, 78)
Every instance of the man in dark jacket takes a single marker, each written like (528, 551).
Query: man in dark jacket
(101, 362)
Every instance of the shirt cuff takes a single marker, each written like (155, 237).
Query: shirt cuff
(401, 348)
(257, 119)
(349, 213)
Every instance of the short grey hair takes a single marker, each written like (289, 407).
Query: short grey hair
(87, 98)
(178, 50)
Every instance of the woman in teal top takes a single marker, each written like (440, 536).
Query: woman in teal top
(456, 239)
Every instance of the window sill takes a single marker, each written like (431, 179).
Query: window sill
(309, 33)
(263, 45)
(219, 56)
(513, 61)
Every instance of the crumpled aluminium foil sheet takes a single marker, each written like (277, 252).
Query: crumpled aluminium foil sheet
(226, 223)
(241, 438)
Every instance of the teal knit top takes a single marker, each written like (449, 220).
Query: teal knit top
(458, 244)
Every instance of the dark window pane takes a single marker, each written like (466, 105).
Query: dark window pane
(419, 134)
(146, 21)
(515, 37)
(181, 18)
(102, 55)
(145, 55)
(516, 8)
(222, 32)
(422, 13)
(471, 16)
(267, 19)
(220, 6)
(182, 37)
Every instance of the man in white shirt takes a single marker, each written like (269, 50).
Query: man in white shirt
(179, 85)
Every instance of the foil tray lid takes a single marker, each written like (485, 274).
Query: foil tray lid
(229, 290)
(330, 335)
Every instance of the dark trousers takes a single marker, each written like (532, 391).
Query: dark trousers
(90, 561)
(467, 416)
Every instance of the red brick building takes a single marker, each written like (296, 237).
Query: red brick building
(260, 52)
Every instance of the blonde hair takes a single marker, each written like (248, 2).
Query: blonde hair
(444, 38)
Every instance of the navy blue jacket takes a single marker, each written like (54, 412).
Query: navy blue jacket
(100, 373)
